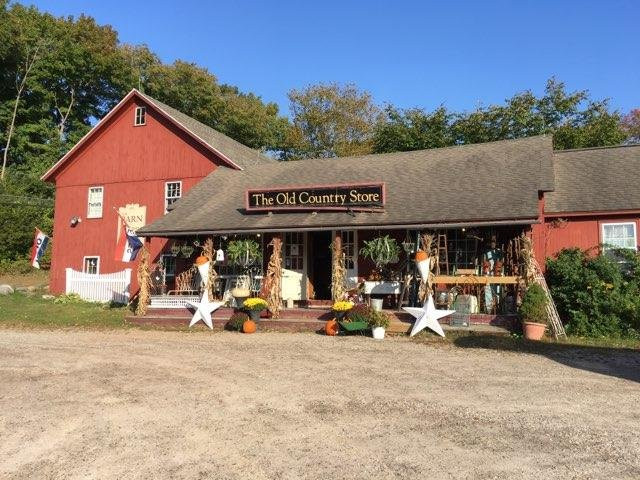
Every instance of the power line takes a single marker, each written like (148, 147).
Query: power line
(22, 200)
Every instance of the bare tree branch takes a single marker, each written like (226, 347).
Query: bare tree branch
(20, 86)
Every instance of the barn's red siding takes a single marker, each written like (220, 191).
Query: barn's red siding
(132, 163)
(584, 232)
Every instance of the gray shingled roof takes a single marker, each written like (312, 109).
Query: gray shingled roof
(596, 180)
(238, 153)
(489, 182)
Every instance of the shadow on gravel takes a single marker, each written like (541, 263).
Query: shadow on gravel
(616, 362)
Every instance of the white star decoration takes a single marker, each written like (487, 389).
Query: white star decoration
(204, 308)
(427, 316)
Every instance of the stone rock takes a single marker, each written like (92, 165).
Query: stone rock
(6, 289)
(21, 289)
(48, 297)
(31, 288)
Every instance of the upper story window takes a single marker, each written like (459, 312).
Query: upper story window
(94, 202)
(172, 192)
(141, 116)
(619, 235)
(91, 265)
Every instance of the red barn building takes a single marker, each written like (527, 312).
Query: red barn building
(142, 153)
(595, 201)
(145, 155)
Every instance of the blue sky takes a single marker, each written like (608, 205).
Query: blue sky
(460, 54)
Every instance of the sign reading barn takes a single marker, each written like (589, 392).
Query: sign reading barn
(369, 196)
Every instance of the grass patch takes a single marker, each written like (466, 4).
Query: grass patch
(36, 278)
(520, 344)
(32, 311)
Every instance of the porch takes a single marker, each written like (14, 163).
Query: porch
(313, 319)
(477, 266)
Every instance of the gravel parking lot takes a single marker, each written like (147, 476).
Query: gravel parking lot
(149, 404)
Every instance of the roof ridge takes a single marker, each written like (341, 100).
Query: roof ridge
(604, 147)
(167, 109)
(448, 147)
(407, 152)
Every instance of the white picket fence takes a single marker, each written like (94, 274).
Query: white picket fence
(104, 287)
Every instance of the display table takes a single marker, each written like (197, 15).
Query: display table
(382, 288)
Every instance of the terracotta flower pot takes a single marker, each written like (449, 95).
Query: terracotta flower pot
(533, 331)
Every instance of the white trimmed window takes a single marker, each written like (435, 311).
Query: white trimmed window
(619, 235)
(141, 116)
(168, 266)
(94, 202)
(349, 249)
(172, 192)
(91, 265)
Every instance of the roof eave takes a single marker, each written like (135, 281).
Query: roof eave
(376, 226)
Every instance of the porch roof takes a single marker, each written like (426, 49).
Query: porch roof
(490, 183)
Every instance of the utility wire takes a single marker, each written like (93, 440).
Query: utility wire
(17, 199)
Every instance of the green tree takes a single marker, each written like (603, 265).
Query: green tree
(196, 92)
(573, 118)
(331, 120)
(413, 129)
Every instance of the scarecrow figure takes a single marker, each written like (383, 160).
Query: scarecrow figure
(492, 265)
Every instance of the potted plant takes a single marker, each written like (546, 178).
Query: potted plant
(254, 306)
(237, 321)
(533, 312)
(341, 308)
(379, 322)
(381, 251)
(244, 252)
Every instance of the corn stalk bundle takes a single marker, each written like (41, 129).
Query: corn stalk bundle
(271, 289)
(144, 280)
(184, 280)
(209, 252)
(338, 271)
(527, 259)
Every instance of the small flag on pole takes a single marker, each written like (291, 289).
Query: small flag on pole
(40, 243)
(128, 244)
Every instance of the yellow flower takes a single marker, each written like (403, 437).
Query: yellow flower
(255, 303)
(342, 306)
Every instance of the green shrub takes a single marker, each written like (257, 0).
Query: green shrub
(597, 296)
(20, 266)
(69, 298)
(378, 319)
(236, 321)
(534, 303)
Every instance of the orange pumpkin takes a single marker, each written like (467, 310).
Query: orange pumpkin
(421, 255)
(201, 260)
(331, 327)
(249, 326)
